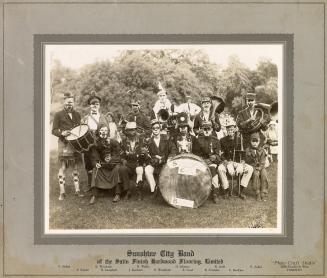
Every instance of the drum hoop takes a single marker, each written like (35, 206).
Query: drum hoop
(80, 126)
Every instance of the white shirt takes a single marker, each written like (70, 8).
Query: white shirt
(93, 121)
(156, 141)
(189, 108)
(206, 115)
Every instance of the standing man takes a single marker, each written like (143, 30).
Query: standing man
(93, 119)
(139, 117)
(190, 108)
(63, 122)
(208, 148)
(158, 147)
(233, 162)
(247, 119)
(206, 115)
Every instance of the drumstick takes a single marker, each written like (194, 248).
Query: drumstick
(79, 130)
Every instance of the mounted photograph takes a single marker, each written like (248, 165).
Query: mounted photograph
(163, 138)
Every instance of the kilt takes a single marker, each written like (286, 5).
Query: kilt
(106, 177)
(66, 153)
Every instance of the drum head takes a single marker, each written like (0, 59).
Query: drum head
(185, 181)
(77, 132)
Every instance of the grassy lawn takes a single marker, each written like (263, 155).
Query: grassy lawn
(76, 213)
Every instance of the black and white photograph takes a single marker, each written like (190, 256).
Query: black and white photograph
(159, 138)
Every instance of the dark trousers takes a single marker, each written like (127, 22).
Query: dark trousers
(88, 167)
(260, 181)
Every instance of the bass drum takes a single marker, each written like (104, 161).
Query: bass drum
(185, 181)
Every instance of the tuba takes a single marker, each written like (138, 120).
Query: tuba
(163, 115)
(218, 106)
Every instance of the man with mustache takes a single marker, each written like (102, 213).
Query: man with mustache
(63, 122)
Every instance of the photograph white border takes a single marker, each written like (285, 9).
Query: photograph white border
(189, 231)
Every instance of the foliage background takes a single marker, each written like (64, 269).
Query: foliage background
(180, 71)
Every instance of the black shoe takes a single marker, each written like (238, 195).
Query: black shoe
(227, 193)
(116, 198)
(128, 195)
(139, 191)
(154, 194)
(79, 194)
(242, 196)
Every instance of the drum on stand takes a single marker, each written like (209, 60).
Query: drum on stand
(81, 138)
(185, 181)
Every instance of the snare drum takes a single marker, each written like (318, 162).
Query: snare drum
(185, 181)
(81, 138)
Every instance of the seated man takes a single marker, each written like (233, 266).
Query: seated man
(158, 147)
(106, 162)
(231, 146)
(256, 157)
(208, 148)
(183, 141)
(133, 148)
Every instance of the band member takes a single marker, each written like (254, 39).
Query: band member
(208, 147)
(105, 160)
(190, 108)
(163, 103)
(137, 116)
(158, 147)
(271, 135)
(247, 119)
(256, 157)
(206, 115)
(133, 149)
(63, 122)
(93, 119)
(113, 129)
(233, 162)
(183, 142)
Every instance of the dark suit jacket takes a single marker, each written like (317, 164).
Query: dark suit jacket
(255, 157)
(62, 122)
(162, 150)
(200, 118)
(228, 145)
(207, 147)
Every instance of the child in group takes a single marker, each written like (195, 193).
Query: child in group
(256, 157)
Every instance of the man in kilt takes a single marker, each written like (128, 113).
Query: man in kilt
(63, 122)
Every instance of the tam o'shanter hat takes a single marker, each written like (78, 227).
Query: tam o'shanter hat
(182, 119)
(130, 125)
